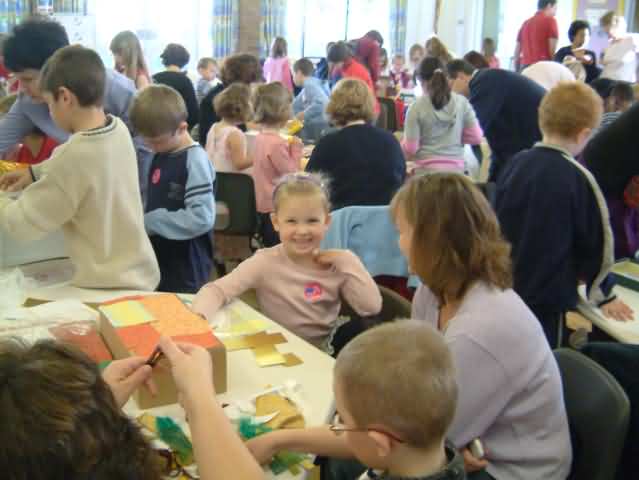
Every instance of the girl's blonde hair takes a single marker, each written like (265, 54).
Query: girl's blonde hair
(272, 104)
(436, 48)
(456, 237)
(302, 183)
(127, 45)
(233, 103)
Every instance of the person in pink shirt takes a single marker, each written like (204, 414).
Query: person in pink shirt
(273, 154)
(277, 67)
(298, 285)
(489, 49)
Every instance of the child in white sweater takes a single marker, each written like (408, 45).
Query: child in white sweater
(89, 187)
(298, 285)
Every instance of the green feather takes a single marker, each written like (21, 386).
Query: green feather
(171, 434)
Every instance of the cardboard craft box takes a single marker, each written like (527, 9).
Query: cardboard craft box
(133, 326)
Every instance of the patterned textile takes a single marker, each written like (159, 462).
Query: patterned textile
(273, 23)
(11, 12)
(226, 27)
(398, 26)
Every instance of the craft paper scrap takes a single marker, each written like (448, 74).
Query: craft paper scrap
(173, 317)
(253, 341)
(247, 327)
(292, 360)
(268, 355)
(126, 314)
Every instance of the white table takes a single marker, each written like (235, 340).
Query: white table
(624, 332)
(245, 377)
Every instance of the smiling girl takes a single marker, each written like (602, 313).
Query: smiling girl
(298, 285)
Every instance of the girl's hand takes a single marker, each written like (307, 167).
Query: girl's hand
(471, 463)
(15, 181)
(618, 310)
(330, 258)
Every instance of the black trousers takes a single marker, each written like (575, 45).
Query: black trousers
(270, 237)
(554, 325)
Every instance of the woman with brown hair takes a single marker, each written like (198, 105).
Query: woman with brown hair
(365, 163)
(510, 387)
(436, 48)
(243, 68)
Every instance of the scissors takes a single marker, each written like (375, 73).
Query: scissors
(155, 357)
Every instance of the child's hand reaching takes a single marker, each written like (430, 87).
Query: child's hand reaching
(125, 376)
(16, 181)
(618, 310)
(192, 370)
(264, 447)
(331, 258)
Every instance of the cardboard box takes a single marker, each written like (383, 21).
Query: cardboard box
(133, 326)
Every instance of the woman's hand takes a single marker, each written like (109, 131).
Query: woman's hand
(125, 376)
(618, 310)
(472, 463)
(16, 181)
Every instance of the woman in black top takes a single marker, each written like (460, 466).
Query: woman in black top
(174, 58)
(579, 34)
(243, 68)
(365, 164)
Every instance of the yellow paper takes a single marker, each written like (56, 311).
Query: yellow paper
(307, 464)
(126, 314)
(247, 327)
(268, 356)
(253, 341)
(292, 360)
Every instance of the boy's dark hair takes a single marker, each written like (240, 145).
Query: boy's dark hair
(622, 93)
(59, 419)
(375, 35)
(32, 42)
(576, 27)
(432, 72)
(340, 52)
(305, 66)
(205, 62)
(542, 4)
(242, 67)
(603, 86)
(175, 54)
(78, 69)
(477, 60)
(459, 66)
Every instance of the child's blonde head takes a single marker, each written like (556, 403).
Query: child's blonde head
(351, 100)
(569, 109)
(302, 184)
(272, 104)
(233, 103)
(157, 110)
(456, 240)
(205, 62)
(399, 375)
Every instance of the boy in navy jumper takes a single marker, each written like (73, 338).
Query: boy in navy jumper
(180, 207)
(553, 212)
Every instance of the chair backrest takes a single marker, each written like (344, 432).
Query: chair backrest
(394, 307)
(598, 412)
(237, 193)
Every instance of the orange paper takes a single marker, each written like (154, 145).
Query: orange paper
(139, 339)
(174, 318)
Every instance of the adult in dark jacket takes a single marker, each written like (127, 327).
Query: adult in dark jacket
(506, 105)
(579, 35)
(175, 57)
(243, 68)
(365, 164)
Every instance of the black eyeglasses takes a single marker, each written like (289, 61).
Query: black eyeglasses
(337, 427)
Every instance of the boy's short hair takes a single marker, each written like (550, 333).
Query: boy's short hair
(78, 69)
(576, 27)
(205, 62)
(60, 419)
(272, 104)
(416, 48)
(375, 35)
(175, 54)
(455, 67)
(233, 103)
(623, 93)
(541, 4)
(340, 52)
(305, 66)
(157, 110)
(569, 108)
(400, 375)
(350, 100)
(477, 60)
(32, 42)
(242, 67)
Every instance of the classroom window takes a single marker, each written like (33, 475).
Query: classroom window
(311, 24)
(157, 23)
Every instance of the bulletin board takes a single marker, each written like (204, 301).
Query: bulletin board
(80, 28)
(593, 10)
